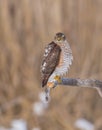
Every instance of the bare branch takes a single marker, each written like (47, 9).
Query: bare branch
(72, 82)
(91, 83)
(81, 82)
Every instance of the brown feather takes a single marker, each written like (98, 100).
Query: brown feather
(50, 61)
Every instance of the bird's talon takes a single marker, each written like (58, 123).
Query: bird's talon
(57, 78)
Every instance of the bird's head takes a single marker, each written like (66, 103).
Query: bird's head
(59, 37)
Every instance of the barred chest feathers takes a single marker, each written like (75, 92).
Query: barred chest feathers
(65, 61)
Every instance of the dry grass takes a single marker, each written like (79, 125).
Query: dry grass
(25, 27)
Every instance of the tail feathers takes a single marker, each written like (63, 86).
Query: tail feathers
(47, 94)
(99, 91)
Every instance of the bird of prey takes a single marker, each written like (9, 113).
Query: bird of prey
(56, 60)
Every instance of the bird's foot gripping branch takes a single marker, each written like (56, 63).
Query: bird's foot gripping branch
(72, 82)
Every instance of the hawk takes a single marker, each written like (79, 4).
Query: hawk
(56, 61)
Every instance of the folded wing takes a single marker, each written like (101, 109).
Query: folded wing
(50, 61)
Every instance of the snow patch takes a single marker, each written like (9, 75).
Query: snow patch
(83, 124)
(19, 125)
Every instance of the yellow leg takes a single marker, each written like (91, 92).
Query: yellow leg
(57, 78)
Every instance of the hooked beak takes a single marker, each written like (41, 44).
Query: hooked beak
(59, 38)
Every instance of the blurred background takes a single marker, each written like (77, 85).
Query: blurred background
(26, 26)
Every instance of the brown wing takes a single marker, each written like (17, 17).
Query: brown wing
(50, 61)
